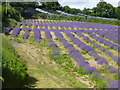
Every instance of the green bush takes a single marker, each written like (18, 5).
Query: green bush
(14, 70)
(8, 23)
(42, 15)
(10, 12)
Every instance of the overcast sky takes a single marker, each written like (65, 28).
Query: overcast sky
(85, 3)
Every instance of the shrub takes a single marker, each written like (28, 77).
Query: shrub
(13, 69)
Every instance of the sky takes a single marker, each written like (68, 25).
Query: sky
(80, 4)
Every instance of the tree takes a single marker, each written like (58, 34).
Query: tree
(94, 11)
(66, 9)
(11, 13)
(117, 12)
(51, 6)
(75, 11)
(87, 11)
(104, 9)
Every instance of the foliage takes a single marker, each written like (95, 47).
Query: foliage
(100, 83)
(43, 15)
(9, 22)
(82, 19)
(10, 12)
(13, 12)
(66, 9)
(51, 6)
(10, 16)
(103, 9)
(1, 78)
(25, 8)
(87, 11)
(117, 11)
(24, 5)
(13, 69)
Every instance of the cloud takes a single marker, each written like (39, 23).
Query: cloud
(85, 3)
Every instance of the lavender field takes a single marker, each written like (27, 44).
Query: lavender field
(87, 51)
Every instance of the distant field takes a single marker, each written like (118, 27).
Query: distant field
(72, 54)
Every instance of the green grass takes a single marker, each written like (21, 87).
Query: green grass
(83, 52)
(102, 71)
(70, 68)
(63, 72)
(116, 77)
(94, 47)
(86, 58)
(100, 83)
(14, 70)
(18, 39)
(109, 48)
(64, 76)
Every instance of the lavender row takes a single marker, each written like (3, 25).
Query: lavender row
(97, 45)
(91, 51)
(78, 32)
(26, 34)
(113, 84)
(86, 48)
(16, 31)
(102, 40)
(111, 34)
(7, 30)
(71, 24)
(37, 35)
(51, 43)
(75, 54)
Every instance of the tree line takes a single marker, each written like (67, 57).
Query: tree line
(103, 9)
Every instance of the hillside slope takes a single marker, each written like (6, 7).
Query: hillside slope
(47, 73)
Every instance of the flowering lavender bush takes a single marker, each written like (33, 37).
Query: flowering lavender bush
(113, 83)
(37, 34)
(7, 30)
(25, 35)
(16, 31)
